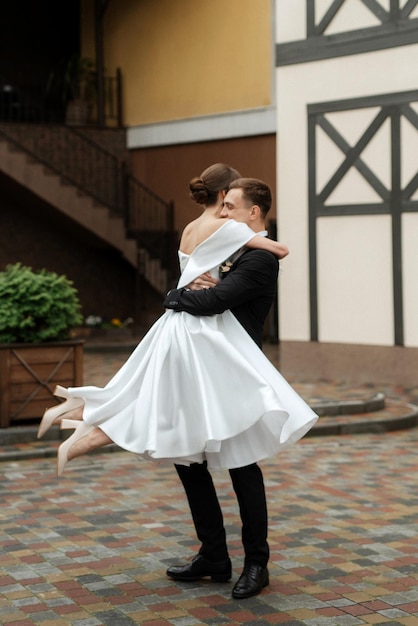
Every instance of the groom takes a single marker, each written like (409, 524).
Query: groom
(247, 287)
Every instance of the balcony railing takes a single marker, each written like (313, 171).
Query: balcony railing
(25, 96)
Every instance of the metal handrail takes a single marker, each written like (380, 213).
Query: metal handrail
(147, 211)
(102, 176)
(80, 161)
(73, 157)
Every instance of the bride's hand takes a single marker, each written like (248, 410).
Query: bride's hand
(205, 281)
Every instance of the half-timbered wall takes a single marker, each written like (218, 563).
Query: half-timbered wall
(347, 97)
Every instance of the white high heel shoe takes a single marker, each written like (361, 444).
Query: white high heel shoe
(54, 414)
(81, 430)
(61, 392)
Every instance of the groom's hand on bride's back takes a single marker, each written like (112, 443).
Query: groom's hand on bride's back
(205, 281)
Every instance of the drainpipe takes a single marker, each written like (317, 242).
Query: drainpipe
(100, 7)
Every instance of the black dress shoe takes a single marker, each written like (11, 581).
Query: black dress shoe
(251, 582)
(199, 567)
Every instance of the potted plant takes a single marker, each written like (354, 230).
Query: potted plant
(38, 309)
(75, 81)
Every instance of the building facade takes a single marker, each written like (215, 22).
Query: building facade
(347, 110)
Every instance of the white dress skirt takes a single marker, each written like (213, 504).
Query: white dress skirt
(199, 388)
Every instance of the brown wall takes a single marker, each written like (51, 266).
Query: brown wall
(168, 170)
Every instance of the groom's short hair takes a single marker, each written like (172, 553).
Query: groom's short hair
(254, 191)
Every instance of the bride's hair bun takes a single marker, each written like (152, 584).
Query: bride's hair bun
(198, 190)
(204, 189)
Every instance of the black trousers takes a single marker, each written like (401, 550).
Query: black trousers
(207, 516)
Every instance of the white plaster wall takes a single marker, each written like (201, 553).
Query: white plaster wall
(355, 294)
(290, 20)
(410, 277)
(380, 72)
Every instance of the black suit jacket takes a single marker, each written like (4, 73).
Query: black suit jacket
(247, 290)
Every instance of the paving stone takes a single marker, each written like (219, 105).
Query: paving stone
(92, 548)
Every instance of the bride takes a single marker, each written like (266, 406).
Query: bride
(180, 395)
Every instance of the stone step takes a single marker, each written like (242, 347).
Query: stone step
(330, 408)
(393, 416)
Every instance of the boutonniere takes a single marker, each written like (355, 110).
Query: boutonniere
(224, 268)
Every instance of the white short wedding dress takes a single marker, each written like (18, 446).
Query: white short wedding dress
(199, 388)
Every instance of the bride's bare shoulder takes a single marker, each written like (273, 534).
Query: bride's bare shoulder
(197, 231)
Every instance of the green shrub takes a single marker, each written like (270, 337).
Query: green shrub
(36, 306)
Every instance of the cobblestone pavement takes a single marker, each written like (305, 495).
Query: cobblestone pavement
(91, 548)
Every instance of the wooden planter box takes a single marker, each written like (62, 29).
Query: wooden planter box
(29, 374)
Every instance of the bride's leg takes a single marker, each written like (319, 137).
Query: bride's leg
(96, 438)
(84, 439)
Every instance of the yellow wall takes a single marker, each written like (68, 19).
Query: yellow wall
(187, 58)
